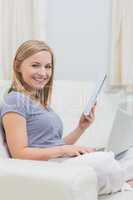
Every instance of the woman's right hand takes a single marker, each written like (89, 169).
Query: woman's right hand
(74, 150)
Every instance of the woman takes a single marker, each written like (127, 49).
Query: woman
(34, 131)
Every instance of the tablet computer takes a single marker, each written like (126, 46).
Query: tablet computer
(94, 96)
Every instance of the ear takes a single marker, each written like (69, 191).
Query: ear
(17, 68)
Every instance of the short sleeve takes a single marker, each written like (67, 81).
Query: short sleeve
(14, 102)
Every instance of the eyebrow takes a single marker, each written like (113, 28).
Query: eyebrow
(35, 62)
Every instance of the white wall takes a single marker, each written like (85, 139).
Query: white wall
(79, 32)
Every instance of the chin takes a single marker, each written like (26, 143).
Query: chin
(39, 87)
(35, 86)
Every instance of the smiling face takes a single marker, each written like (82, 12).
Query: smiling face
(36, 71)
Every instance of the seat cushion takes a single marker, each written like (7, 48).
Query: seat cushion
(125, 195)
(4, 85)
(3, 146)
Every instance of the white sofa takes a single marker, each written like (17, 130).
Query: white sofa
(31, 180)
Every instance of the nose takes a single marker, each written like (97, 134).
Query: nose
(42, 71)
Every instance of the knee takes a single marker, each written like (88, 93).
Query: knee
(116, 176)
(110, 174)
(111, 178)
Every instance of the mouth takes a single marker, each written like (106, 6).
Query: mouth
(40, 80)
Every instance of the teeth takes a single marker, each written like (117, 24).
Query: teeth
(39, 79)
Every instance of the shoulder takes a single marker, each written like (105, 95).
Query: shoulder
(14, 102)
(15, 97)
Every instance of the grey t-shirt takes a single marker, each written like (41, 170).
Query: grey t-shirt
(44, 126)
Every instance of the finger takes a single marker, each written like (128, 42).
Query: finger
(89, 118)
(83, 151)
(91, 150)
(94, 149)
(89, 114)
(77, 153)
(92, 114)
(95, 104)
(93, 109)
(87, 149)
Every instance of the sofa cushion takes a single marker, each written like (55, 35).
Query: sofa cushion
(69, 100)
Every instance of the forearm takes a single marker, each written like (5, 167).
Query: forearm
(72, 137)
(29, 153)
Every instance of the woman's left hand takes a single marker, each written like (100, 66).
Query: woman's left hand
(86, 120)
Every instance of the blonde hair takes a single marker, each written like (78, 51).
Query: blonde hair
(26, 50)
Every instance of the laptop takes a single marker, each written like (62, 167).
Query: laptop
(121, 135)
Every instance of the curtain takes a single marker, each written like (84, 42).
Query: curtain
(121, 69)
(19, 21)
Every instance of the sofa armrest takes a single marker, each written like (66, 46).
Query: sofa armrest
(26, 179)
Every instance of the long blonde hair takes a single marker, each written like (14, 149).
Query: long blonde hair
(26, 50)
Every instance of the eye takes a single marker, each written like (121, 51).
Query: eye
(35, 65)
(48, 66)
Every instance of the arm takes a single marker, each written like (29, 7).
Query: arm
(16, 135)
(84, 123)
(73, 136)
